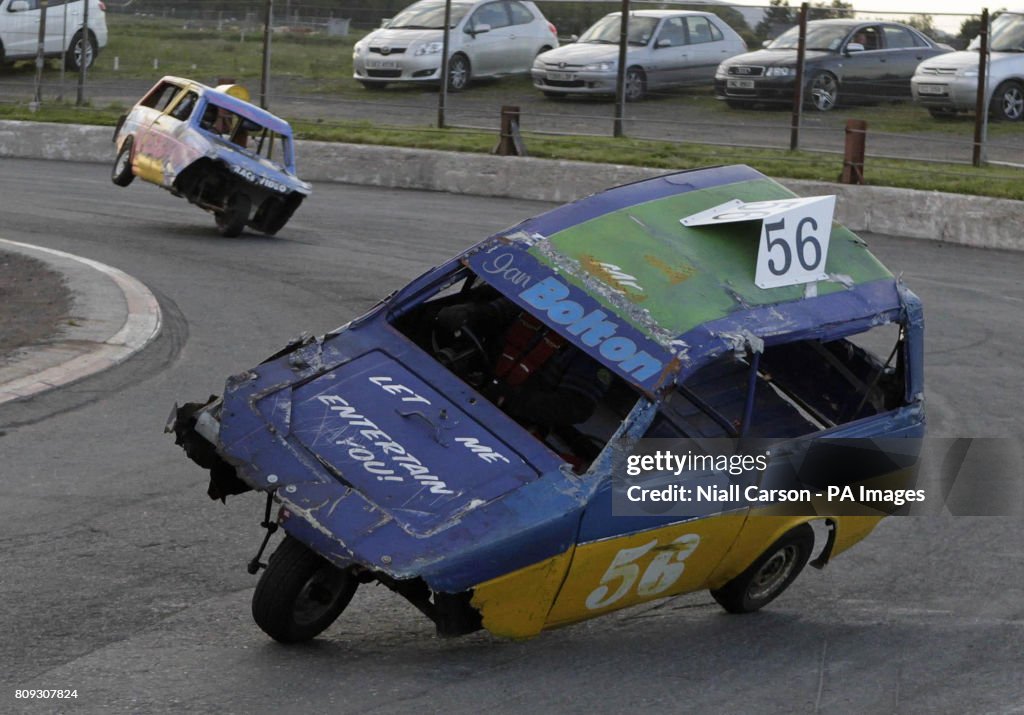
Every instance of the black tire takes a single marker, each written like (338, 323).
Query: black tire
(823, 92)
(770, 574)
(300, 594)
(373, 85)
(459, 73)
(121, 173)
(231, 220)
(72, 57)
(941, 112)
(635, 84)
(1007, 104)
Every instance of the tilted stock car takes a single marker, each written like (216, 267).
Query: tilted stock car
(399, 450)
(214, 148)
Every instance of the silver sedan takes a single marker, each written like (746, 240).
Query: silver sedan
(666, 48)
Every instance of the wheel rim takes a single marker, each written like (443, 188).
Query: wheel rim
(824, 90)
(634, 85)
(1013, 103)
(83, 48)
(122, 163)
(457, 74)
(773, 573)
(319, 595)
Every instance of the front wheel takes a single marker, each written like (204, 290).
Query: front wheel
(458, 73)
(824, 92)
(121, 173)
(1008, 102)
(770, 574)
(231, 220)
(300, 593)
(636, 84)
(80, 53)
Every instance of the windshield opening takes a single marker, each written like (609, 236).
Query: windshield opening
(566, 399)
(607, 30)
(828, 38)
(1008, 33)
(246, 134)
(428, 16)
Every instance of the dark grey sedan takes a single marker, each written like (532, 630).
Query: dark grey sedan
(848, 61)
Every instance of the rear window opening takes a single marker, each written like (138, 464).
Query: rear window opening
(800, 387)
(558, 393)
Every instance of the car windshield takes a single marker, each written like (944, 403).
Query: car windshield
(822, 37)
(607, 30)
(428, 16)
(1008, 33)
(247, 134)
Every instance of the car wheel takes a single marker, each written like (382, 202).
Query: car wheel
(121, 174)
(79, 52)
(941, 112)
(636, 84)
(770, 574)
(373, 85)
(458, 73)
(1008, 102)
(824, 91)
(300, 593)
(234, 216)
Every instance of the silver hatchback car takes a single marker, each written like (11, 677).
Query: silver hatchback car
(487, 38)
(667, 48)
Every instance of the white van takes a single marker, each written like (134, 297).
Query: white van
(19, 30)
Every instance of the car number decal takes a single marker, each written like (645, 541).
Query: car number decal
(661, 573)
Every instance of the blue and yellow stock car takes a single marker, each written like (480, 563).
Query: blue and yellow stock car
(402, 449)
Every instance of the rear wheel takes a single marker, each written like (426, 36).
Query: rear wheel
(300, 593)
(770, 574)
(231, 220)
(80, 52)
(121, 174)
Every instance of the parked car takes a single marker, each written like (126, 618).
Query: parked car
(949, 84)
(214, 148)
(847, 61)
(667, 48)
(487, 38)
(19, 31)
(466, 443)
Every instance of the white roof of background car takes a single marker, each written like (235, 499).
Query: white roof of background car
(663, 13)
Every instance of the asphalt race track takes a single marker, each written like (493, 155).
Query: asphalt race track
(121, 579)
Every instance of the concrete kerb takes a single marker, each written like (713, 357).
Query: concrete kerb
(956, 218)
(113, 316)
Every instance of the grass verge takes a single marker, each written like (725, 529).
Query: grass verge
(996, 181)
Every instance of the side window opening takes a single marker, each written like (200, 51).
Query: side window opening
(159, 98)
(561, 395)
(800, 387)
(183, 109)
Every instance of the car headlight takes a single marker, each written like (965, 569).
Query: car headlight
(599, 67)
(431, 48)
(968, 73)
(358, 48)
(721, 72)
(780, 72)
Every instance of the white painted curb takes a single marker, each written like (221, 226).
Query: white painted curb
(140, 327)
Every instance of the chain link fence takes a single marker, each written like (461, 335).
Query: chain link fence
(687, 75)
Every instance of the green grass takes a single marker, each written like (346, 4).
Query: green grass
(995, 181)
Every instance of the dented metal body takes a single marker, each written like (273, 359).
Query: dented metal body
(210, 147)
(385, 462)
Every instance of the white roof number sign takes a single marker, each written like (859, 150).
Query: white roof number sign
(794, 239)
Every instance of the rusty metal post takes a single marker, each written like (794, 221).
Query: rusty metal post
(83, 42)
(798, 81)
(853, 161)
(442, 91)
(980, 106)
(265, 74)
(510, 141)
(620, 78)
(37, 98)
